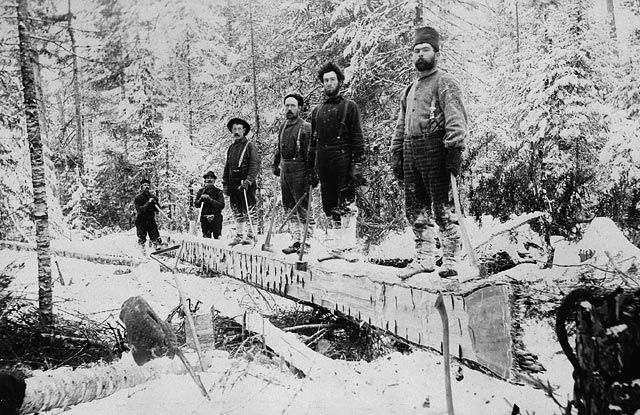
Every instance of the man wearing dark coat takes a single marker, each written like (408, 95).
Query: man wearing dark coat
(239, 180)
(290, 163)
(426, 149)
(337, 153)
(146, 204)
(211, 201)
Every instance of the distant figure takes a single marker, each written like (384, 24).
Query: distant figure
(147, 205)
(426, 149)
(290, 163)
(337, 152)
(239, 179)
(148, 335)
(212, 201)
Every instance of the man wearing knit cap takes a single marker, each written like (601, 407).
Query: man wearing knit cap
(426, 148)
(337, 152)
(211, 199)
(239, 180)
(290, 163)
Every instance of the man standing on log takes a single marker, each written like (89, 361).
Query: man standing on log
(146, 204)
(337, 153)
(239, 179)
(212, 201)
(290, 163)
(426, 148)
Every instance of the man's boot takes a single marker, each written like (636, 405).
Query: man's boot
(239, 234)
(425, 250)
(348, 223)
(450, 238)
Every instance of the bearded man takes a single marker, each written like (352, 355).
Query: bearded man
(426, 149)
(337, 153)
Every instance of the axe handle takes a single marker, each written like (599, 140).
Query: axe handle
(267, 240)
(439, 305)
(306, 224)
(466, 241)
(292, 211)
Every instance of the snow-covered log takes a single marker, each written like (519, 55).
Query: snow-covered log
(480, 313)
(86, 256)
(64, 387)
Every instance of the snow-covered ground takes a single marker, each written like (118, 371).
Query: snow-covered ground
(402, 384)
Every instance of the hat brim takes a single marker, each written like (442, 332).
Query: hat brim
(240, 121)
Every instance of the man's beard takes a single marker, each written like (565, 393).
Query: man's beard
(332, 92)
(236, 136)
(291, 116)
(425, 65)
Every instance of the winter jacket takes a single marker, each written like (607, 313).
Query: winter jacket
(328, 128)
(146, 209)
(211, 206)
(249, 168)
(294, 139)
(431, 103)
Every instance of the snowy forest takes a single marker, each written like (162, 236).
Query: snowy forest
(144, 89)
(98, 94)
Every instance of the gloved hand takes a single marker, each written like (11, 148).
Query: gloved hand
(397, 166)
(205, 196)
(312, 178)
(454, 160)
(356, 174)
(244, 185)
(276, 170)
(225, 190)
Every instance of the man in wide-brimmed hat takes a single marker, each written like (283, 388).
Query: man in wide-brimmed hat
(212, 201)
(426, 149)
(239, 179)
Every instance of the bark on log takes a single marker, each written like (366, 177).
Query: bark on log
(65, 387)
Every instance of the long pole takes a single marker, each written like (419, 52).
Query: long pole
(445, 352)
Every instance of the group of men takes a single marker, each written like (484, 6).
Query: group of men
(329, 150)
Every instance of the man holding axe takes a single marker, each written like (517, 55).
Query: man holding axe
(239, 180)
(290, 163)
(426, 151)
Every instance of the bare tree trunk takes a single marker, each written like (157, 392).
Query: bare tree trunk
(32, 115)
(189, 88)
(76, 92)
(418, 21)
(612, 20)
(517, 28)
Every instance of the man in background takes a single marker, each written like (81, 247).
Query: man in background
(146, 204)
(210, 200)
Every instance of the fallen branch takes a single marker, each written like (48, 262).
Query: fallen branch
(516, 224)
(307, 326)
(75, 339)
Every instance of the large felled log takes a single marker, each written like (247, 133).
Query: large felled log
(86, 256)
(480, 314)
(65, 387)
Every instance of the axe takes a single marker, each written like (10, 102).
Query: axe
(266, 246)
(466, 241)
(300, 264)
